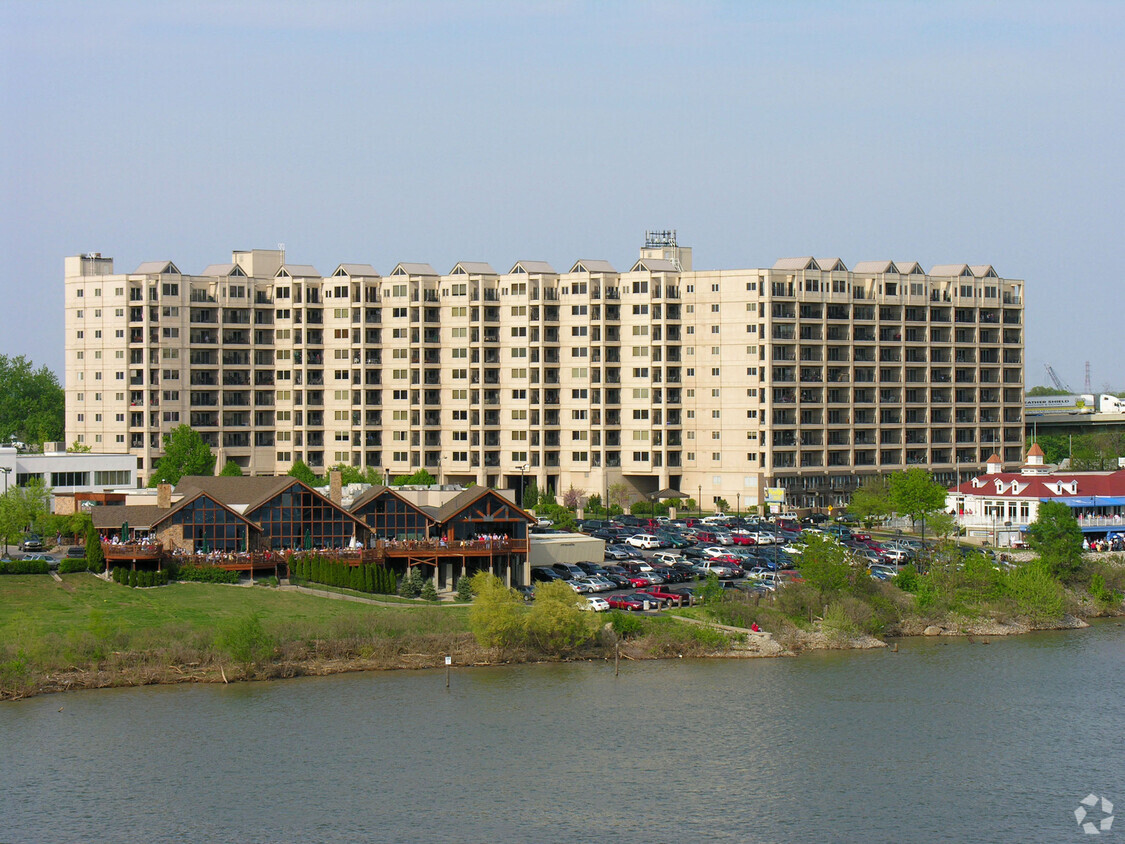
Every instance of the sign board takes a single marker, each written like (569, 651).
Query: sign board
(775, 495)
(449, 660)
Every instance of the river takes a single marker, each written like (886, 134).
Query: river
(942, 741)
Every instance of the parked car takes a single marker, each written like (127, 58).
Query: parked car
(31, 542)
(643, 540)
(568, 571)
(525, 592)
(667, 558)
(545, 575)
(666, 594)
(76, 552)
(625, 602)
(594, 604)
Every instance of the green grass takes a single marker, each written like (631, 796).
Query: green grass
(87, 624)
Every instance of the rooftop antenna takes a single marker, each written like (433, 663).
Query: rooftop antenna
(1087, 388)
(665, 239)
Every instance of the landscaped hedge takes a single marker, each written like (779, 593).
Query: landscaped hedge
(207, 574)
(315, 569)
(142, 578)
(69, 565)
(23, 567)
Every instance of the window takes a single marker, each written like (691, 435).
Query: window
(518, 415)
(715, 308)
(714, 329)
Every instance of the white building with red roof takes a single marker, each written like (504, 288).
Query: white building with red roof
(1001, 504)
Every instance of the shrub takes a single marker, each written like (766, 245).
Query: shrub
(247, 642)
(464, 589)
(711, 591)
(428, 592)
(625, 625)
(69, 565)
(411, 586)
(23, 567)
(1107, 598)
(1037, 594)
(207, 574)
(556, 624)
(907, 578)
(94, 555)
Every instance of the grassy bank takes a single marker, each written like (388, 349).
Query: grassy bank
(86, 633)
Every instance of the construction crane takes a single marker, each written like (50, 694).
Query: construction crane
(1054, 376)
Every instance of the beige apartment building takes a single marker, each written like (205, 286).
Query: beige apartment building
(806, 376)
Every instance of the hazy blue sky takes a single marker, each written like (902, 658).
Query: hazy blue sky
(982, 132)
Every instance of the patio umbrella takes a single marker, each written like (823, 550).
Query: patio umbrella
(308, 539)
(124, 531)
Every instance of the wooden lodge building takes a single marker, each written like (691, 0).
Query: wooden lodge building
(255, 524)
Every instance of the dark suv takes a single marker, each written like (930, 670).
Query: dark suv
(31, 542)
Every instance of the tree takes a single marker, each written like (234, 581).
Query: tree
(1046, 391)
(185, 453)
(21, 507)
(1056, 537)
(301, 471)
(915, 493)
(497, 617)
(618, 496)
(572, 498)
(824, 564)
(871, 500)
(530, 495)
(78, 448)
(721, 505)
(94, 556)
(32, 404)
(942, 523)
(419, 478)
(231, 470)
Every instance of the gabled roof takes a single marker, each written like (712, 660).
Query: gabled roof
(404, 268)
(156, 268)
(909, 268)
(297, 271)
(831, 265)
(356, 270)
(806, 263)
(1098, 484)
(654, 265)
(188, 500)
(472, 268)
(984, 271)
(218, 269)
(587, 265)
(240, 494)
(875, 267)
(950, 270)
(533, 268)
(373, 492)
(468, 497)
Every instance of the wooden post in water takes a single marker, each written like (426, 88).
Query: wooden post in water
(448, 662)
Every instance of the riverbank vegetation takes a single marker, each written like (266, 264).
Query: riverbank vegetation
(84, 632)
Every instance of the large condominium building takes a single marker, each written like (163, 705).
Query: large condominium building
(720, 383)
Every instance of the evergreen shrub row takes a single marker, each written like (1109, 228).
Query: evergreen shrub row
(23, 567)
(316, 569)
(143, 578)
(207, 574)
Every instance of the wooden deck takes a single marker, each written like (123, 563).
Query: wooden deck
(402, 552)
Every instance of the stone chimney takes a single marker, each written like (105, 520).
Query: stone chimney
(336, 486)
(164, 496)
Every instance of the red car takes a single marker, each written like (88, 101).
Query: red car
(625, 602)
(639, 582)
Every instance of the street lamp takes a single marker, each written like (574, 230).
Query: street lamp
(738, 505)
(523, 469)
(700, 499)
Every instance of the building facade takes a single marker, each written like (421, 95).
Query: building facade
(719, 383)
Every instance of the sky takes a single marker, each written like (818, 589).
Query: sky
(938, 132)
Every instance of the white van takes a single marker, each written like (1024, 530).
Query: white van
(667, 558)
